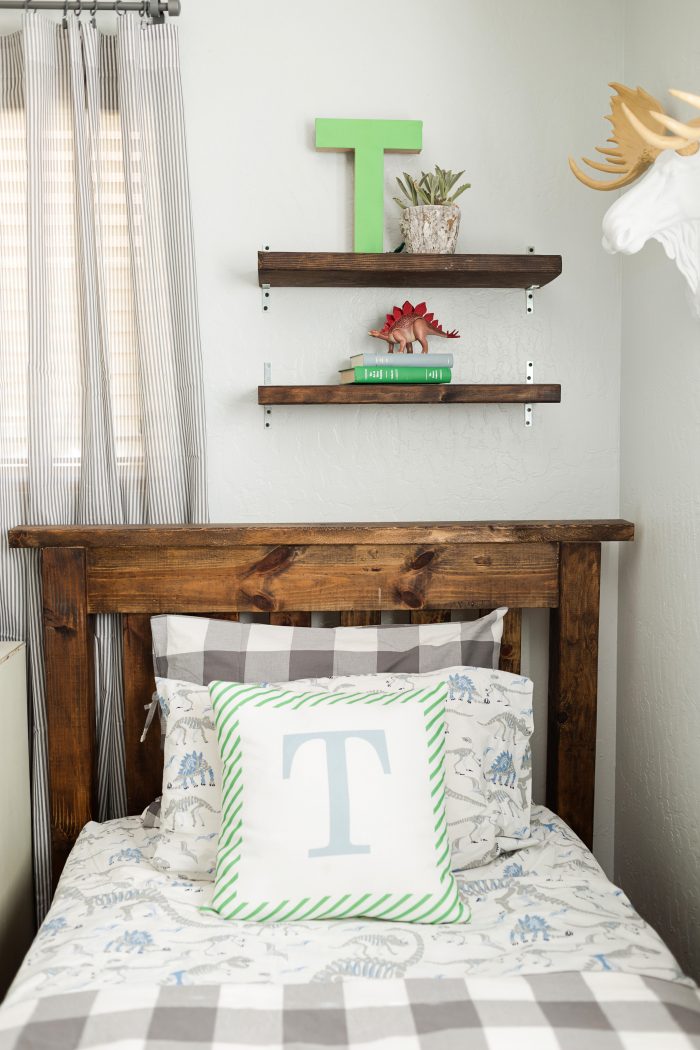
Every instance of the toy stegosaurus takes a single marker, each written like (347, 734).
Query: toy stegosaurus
(409, 323)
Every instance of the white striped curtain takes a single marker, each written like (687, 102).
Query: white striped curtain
(101, 399)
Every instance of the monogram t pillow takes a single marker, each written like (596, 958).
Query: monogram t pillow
(322, 793)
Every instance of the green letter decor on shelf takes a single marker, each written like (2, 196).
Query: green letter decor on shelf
(370, 139)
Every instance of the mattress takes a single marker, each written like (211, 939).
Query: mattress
(117, 922)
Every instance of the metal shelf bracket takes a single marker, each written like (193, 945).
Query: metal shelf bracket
(529, 378)
(265, 288)
(530, 292)
(267, 380)
(529, 367)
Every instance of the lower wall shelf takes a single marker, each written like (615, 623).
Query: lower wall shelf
(406, 394)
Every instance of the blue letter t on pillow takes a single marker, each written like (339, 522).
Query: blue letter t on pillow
(335, 741)
(333, 805)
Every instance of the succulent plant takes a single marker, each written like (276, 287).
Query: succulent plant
(432, 188)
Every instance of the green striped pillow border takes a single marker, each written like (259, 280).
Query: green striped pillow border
(227, 700)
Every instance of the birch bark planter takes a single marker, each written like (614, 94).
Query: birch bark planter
(431, 229)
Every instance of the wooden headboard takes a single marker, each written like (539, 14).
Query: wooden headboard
(286, 572)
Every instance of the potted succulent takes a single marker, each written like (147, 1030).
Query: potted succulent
(430, 220)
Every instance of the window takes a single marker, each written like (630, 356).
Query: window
(81, 287)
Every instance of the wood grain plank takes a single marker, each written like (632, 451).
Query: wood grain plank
(391, 270)
(412, 394)
(375, 533)
(419, 616)
(70, 698)
(511, 643)
(144, 760)
(291, 619)
(368, 618)
(573, 689)
(322, 577)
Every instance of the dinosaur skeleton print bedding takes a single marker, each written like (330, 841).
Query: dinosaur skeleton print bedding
(116, 921)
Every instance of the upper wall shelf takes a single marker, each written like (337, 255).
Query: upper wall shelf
(412, 394)
(390, 269)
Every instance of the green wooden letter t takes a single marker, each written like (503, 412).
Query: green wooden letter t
(369, 139)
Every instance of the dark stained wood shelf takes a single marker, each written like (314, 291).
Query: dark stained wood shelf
(391, 269)
(408, 394)
(374, 533)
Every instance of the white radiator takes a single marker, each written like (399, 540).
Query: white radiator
(16, 898)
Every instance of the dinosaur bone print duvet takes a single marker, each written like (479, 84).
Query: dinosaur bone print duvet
(116, 921)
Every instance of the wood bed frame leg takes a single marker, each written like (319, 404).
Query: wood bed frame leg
(573, 688)
(511, 643)
(70, 698)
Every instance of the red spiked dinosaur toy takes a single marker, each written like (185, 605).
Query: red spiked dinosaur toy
(409, 323)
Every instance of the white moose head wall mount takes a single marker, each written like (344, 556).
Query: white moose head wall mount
(665, 204)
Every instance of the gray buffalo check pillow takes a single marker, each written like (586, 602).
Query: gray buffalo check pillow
(199, 650)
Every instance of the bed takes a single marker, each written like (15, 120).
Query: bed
(554, 956)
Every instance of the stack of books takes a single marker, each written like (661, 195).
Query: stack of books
(398, 368)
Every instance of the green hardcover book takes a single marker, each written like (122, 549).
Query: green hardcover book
(402, 374)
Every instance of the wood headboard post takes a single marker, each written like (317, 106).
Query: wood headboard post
(573, 688)
(138, 689)
(70, 697)
(286, 572)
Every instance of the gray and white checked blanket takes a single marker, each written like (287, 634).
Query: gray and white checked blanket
(564, 1011)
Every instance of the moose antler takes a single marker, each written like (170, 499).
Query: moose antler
(636, 147)
(687, 135)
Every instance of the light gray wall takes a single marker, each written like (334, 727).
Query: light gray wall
(657, 840)
(499, 87)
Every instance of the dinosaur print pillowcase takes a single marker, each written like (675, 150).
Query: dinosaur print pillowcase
(190, 809)
(488, 721)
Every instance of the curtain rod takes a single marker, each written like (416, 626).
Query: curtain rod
(152, 8)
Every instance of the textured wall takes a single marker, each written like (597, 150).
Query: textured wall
(500, 95)
(499, 89)
(657, 855)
